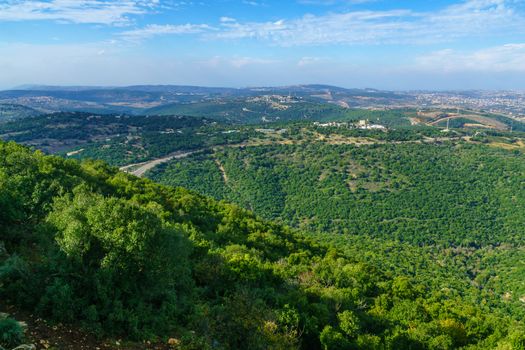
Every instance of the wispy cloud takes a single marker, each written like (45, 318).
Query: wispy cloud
(155, 30)
(350, 28)
(227, 19)
(253, 3)
(469, 18)
(109, 12)
(503, 58)
(308, 61)
(333, 2)
(238, 62)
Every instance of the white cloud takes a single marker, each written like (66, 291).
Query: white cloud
(109, 12)
(157, 29)
(227, 19)
(504, 58)
(307, 61)
(466, 19)
(469, 18)
(240, 62)
(252, 3)
(333, 2)
(237, 62)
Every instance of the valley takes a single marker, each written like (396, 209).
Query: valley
(379, 212)
(262, 175)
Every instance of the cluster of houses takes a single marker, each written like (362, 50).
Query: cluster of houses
(361, 124)
(271, 131)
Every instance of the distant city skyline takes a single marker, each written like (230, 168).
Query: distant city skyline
(394, 45)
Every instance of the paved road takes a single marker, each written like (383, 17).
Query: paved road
(141, 168)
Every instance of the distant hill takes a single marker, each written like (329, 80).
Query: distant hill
(140, 99)
(38, 87)
(254, 110)
(10, 111)
(137, 136)
(189, 88)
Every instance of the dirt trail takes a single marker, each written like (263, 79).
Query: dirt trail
(223, 172)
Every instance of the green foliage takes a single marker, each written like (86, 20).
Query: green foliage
(441, 219)
(123, 256)
(10, 112)
(331, 339)
(131, 257)
(253, 112)
(349, 323)
(118, 139)
(423, 194)
(198, 171)
(517, 339)
(11, 333)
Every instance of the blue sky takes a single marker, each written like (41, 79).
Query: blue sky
(441, 44)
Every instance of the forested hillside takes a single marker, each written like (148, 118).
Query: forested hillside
(254, 111)
(123, 139)
(117, 139)
(456, 192)
(448, 213)
(10, 111)
(121, 256)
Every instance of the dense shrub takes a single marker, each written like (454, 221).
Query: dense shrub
(11, 333)
(123, 256)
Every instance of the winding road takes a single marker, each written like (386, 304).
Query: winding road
(139, 169)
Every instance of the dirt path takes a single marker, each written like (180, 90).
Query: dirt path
(139, 169)
(223, 172)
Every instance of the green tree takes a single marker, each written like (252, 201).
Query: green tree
(331, 339)
(349, 323)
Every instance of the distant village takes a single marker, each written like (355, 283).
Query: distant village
(361, 124)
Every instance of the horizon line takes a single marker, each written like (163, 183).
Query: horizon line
(35, 87)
